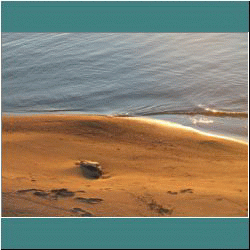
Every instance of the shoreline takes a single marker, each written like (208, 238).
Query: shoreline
(212, 133)
(206, 133)
(151, 168)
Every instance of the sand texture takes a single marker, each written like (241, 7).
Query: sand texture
(147, 169)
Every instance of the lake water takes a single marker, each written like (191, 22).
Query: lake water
(195, 79)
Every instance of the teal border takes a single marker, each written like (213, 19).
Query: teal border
(148, 233)
(125, 16)
(144, 233)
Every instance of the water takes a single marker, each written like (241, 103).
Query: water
(196, 79)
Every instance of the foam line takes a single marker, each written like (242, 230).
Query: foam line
(176, 125)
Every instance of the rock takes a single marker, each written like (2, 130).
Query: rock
(91, 169)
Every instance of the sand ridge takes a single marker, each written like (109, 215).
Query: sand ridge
(150, 169)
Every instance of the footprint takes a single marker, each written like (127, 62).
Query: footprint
(87, 215)
(219, 199)
(80, 191)
(88, 200)
(188, 190)
(40, 193)
(159, 208)
(173, 193)
(82, 212)
(63, 192)
(28, 190)
(77, 209)
(162, 210)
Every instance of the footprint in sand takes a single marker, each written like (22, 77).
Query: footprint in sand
(41, 193)
(89, 200)
(162, 210)
(63, 192)
(219, 199)
(81, 212)
(37, 192)
(159, 209)
(153, 205)
(173, 193)
(188, 190)
(28, 190)
(54, 193)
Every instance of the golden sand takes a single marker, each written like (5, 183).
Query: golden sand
(150, 169)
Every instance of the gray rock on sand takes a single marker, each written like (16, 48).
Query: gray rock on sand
(91, 169)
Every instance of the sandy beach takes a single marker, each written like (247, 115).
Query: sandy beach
(149, 169)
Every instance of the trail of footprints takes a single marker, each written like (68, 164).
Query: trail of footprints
(55, 194)
(154, 206)
(188, 190)
(158, 208)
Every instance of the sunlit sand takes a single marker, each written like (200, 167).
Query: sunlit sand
(149, 168)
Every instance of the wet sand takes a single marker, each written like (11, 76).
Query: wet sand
(149, 169)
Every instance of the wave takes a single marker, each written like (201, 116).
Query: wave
(204, 112)
(149, 112)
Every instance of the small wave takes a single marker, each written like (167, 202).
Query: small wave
(176, 125)
(205, 112)
(52, 110)
(150, 112)
(214, 112)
